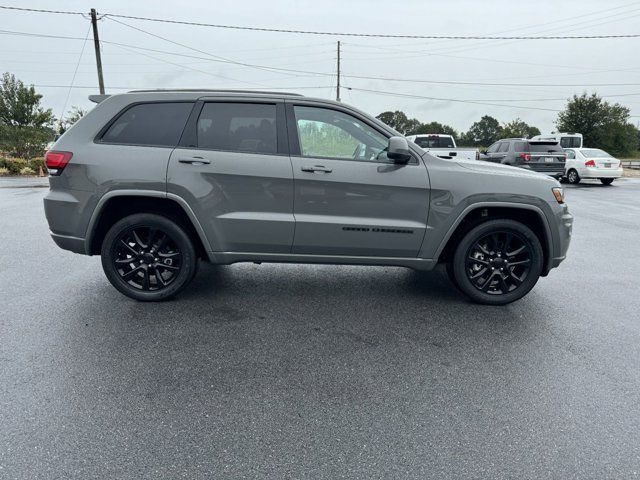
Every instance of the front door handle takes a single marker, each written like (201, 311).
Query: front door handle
(195, 161)
(316, 168)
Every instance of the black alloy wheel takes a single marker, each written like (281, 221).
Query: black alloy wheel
(148, 257)
(498, 261)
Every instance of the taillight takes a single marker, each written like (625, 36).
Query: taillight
(56, 161)
(590, 163)
(525, 156)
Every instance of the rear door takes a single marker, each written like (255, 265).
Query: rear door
(349, 198)
(233, 168)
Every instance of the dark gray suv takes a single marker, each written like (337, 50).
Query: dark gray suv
(541, 156)
(154, 181)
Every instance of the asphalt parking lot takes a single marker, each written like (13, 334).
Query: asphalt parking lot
(287, 371)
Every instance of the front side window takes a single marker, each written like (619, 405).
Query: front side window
(493, 148)
(238, 127)
(156, 124)
(332, 134)
(504, 147)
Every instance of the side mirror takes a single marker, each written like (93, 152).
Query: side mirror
(398, 150)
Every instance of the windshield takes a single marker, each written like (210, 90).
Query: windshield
(434, 142)
(595, 153)
(545, 147)
(570, 142)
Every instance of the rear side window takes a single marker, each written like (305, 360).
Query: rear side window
(158, 124)
(238, 127)
(504, 147)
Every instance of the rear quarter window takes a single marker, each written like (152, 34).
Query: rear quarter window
(153, 124)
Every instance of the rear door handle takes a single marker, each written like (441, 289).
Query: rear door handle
(194, 161)
(316, 168)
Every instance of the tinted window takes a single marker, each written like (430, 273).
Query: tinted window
(434, 142)
(149, 124)
(504, 147)
(545, 147)
(520, 146)
(493, 148)
(238, 127)
(329, 133)
(570, 142)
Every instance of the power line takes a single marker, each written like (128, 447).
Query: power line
(40, 10)
(406, 95)
(334, 34)
(215, 58)
(75, 72)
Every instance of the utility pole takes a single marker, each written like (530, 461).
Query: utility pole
(338, 82)
(96, 44)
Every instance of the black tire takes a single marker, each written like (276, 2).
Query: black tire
(148, 257)
(573, 177)
(508, 274)
(607, 181)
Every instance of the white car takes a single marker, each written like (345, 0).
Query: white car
(592, 163)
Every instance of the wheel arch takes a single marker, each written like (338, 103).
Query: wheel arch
(530, 215)
(117, 204)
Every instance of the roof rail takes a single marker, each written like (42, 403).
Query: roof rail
(214, 90)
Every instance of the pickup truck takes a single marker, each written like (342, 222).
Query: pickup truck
(443, 146)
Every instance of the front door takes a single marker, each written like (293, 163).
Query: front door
(234, 170)
(350, 199)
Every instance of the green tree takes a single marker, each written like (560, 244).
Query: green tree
(399, 121)
(518, 129)
(602, 124)
(25, 126)
(75, 114)
(436, 127)
(484, 132)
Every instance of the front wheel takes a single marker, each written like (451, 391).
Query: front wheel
(148, 257)
(498, 262)
(606, 181)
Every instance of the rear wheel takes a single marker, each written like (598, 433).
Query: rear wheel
(573, 177)
(606, 181)
(148, 257)
(498, 262)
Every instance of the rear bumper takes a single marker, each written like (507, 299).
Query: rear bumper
(73, 244)
(551, 169)
(600, 173)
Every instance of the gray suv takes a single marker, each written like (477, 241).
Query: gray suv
(543, 156)
(154, 181)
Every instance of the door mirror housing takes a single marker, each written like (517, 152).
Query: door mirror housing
(398, 150)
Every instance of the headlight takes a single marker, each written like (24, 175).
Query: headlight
(558, 193)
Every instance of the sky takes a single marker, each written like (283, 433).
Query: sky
(537, 76)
